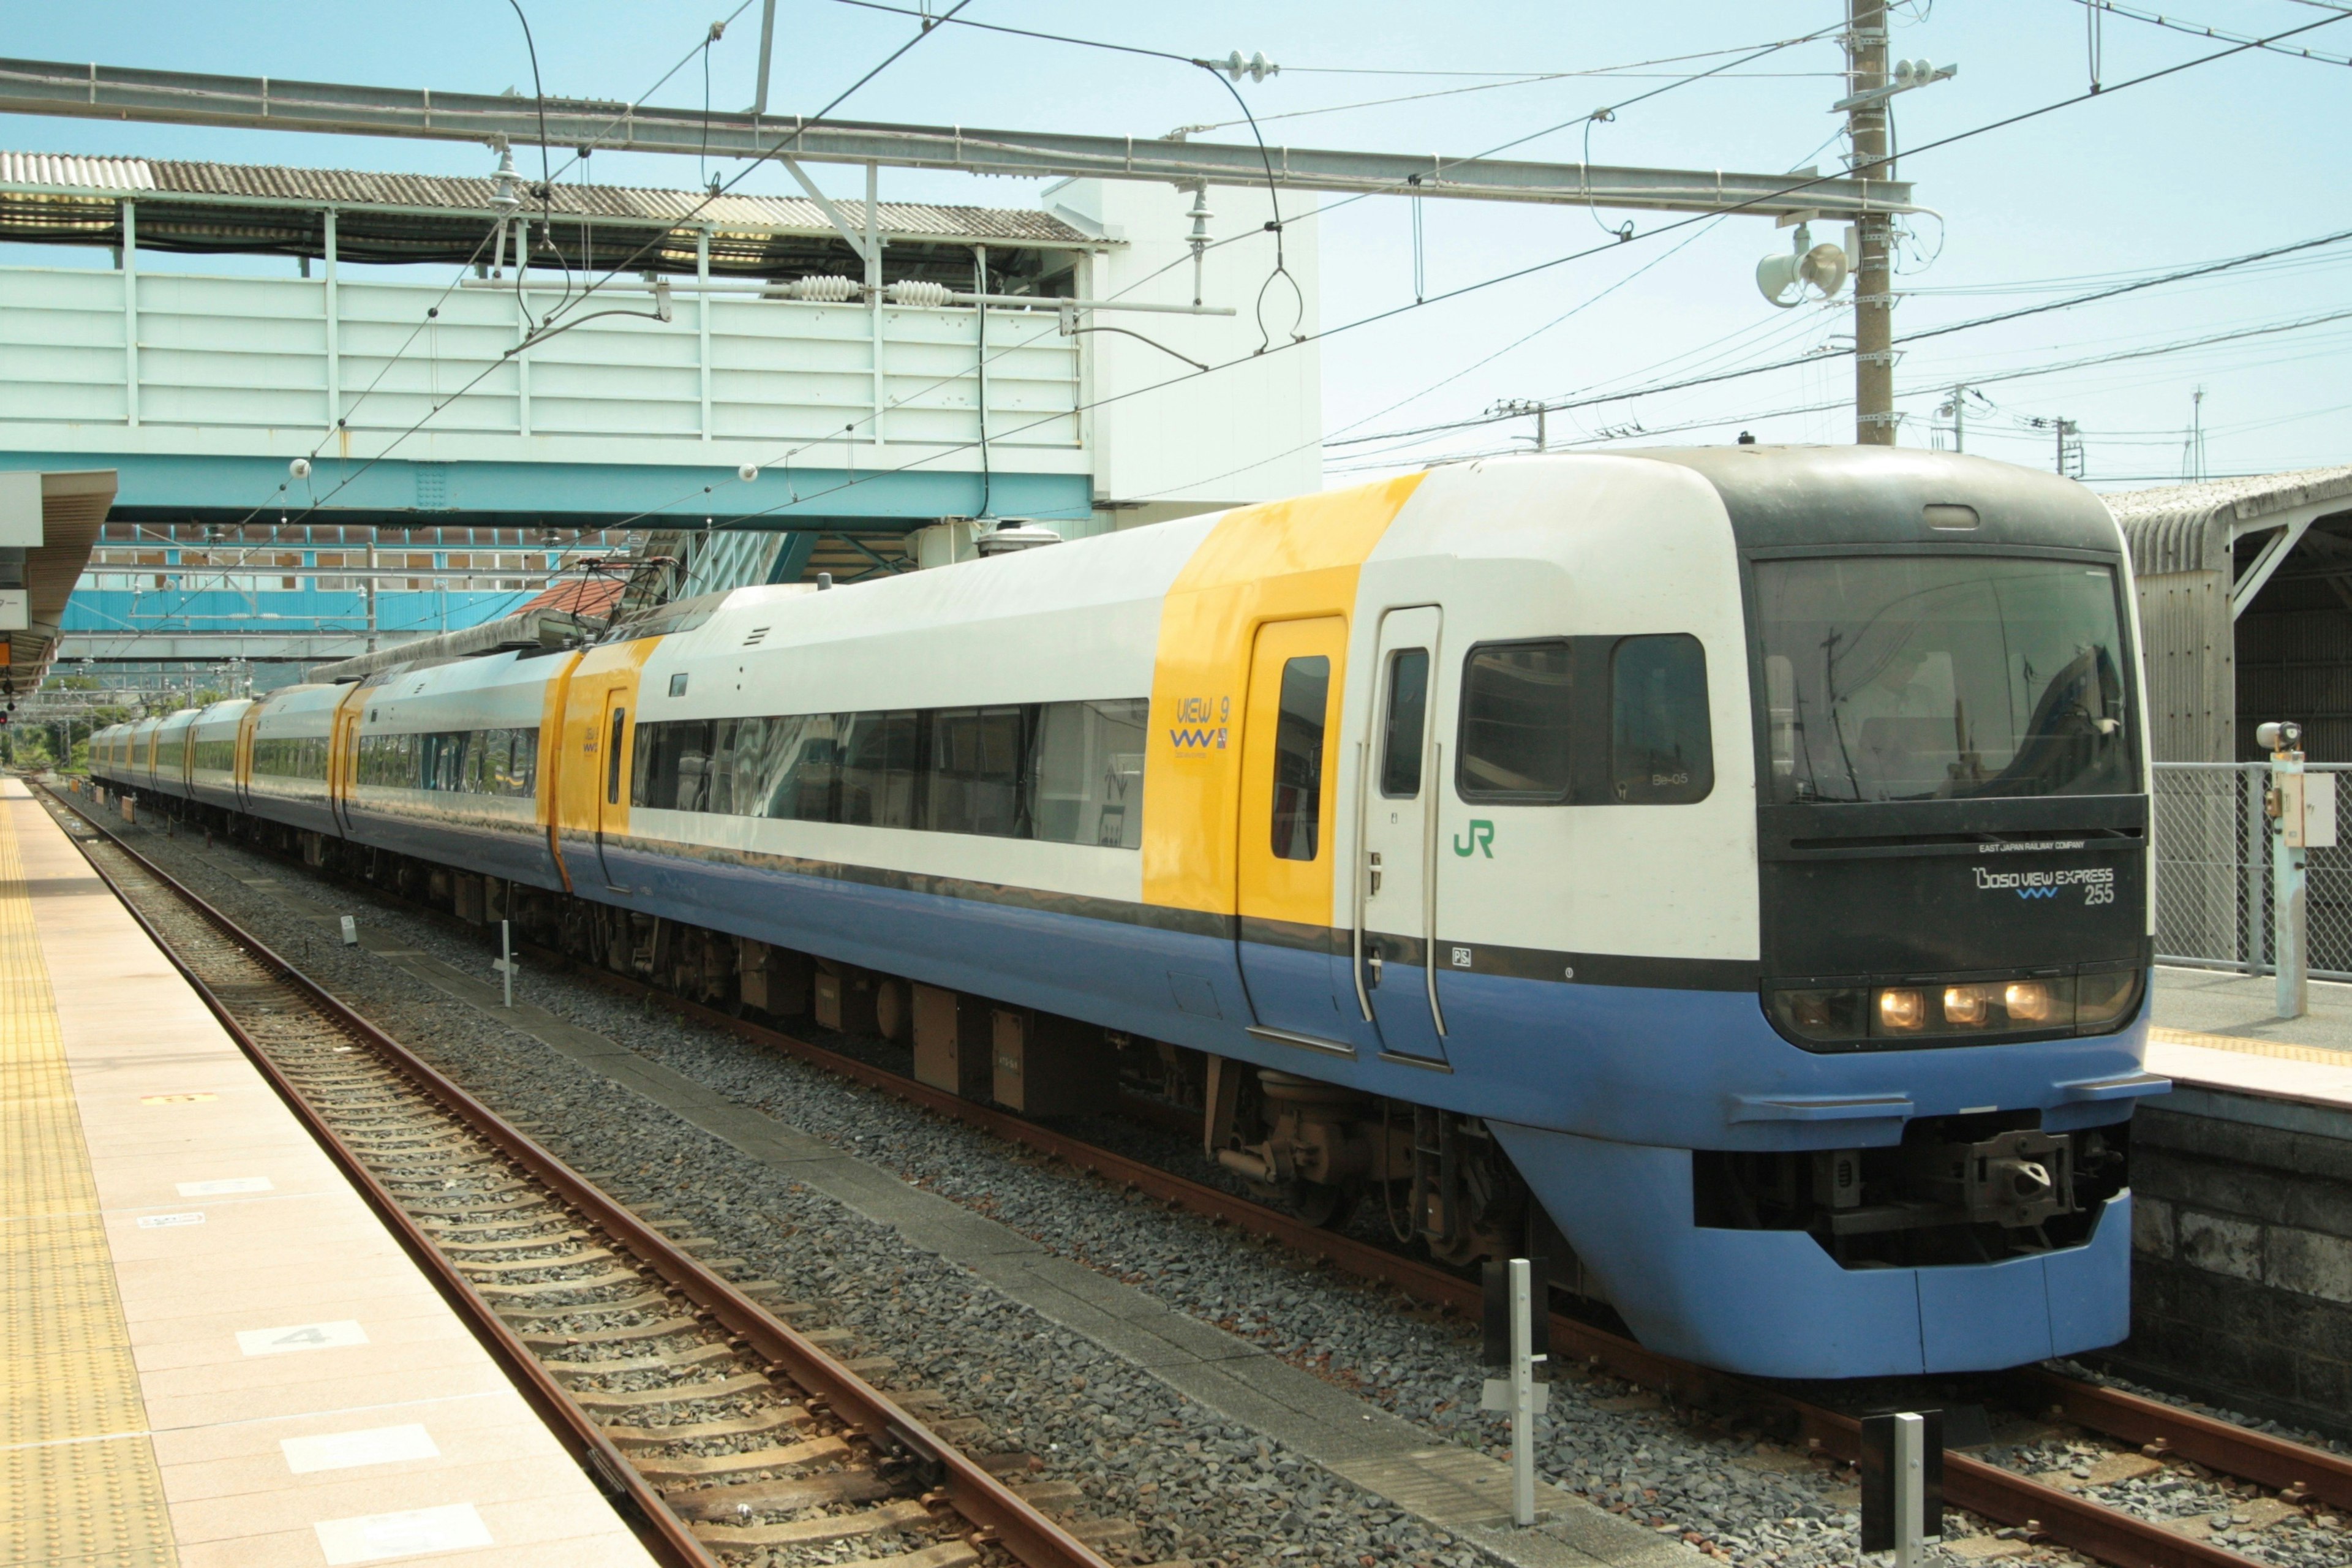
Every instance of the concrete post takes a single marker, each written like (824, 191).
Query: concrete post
(2289, 937)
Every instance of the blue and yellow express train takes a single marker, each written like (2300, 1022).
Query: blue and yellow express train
(1725, 871)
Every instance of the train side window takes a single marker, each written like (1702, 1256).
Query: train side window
(1517, 707)
(1408, 720)
(1661, 748)
(1298, 758)
(802, 762)
(1085, 772)
(973, 783)
(612, 758)
(881, 759)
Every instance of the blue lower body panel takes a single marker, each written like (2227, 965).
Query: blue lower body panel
(518, 852)
(1772, 1303)
(1598, 1093)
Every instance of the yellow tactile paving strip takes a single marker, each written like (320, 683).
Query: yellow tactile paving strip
(78, 1484)
(2281, 1050)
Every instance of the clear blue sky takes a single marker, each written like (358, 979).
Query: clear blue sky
(2216, 161)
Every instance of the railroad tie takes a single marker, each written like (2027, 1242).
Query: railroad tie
(661, 1328)
(1050, 1495)
(693, 1357)
(552, 1238)
(947, 1555)
(702, 1466)
(816, 1531)
(643, 1301)
(610, 1277)
(680, 1394)
(720, 1502)
(526, 1265)
(733, 1425)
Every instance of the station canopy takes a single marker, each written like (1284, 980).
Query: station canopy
(270, 209)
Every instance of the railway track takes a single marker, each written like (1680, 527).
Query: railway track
(721, 1432)
(2044, 1512)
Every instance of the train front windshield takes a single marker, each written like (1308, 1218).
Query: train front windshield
(1899, 678)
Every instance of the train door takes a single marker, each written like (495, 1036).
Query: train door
(612, 811)
(1290, 744)
(1397, 880)
(343, 754)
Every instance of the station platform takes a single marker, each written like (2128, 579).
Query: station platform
(2218, 1033)
(215, 1354)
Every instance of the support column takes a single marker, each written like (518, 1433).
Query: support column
(334, 331)
(522, 361)
(130, 311)
(874, 284)
(1873, 280)
(702, 275)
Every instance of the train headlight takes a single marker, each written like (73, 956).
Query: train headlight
(1968, 1007)
(1826, 1017)
(1920, 1011)
(1902, 1011)
(2029, 1001)
(2103, 1001)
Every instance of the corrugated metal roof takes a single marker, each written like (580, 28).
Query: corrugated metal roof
(278, 183)
(2189, 528)
(83, 174)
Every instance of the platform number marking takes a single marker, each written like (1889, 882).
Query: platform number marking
(299, 1337)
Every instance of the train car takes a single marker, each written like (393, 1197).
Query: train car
(139, 766)
(1746, 850)
(288, 738)
(168, 776)
(102, 753)
(444, 764)
(1725, 870)
(212, 753)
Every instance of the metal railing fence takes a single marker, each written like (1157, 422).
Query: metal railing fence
(2213, 873)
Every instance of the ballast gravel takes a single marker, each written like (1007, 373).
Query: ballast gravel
(1200, 1487)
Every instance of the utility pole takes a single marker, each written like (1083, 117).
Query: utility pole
(1873, 282)
(2197, 435)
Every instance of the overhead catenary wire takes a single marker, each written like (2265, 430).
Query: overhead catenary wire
(773, 150)
(1438, 167)
(1747, 53)
(1386, 314)
(1376, 317)
(546, 328)
(2200, 30)
(2178, 274)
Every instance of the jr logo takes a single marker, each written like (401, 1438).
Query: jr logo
(1481, 839)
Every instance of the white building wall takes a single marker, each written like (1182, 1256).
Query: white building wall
(1249, 433)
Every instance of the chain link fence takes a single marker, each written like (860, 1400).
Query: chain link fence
(2213, 873)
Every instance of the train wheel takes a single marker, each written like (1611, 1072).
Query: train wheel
(1319, 1203)
(894, 1011)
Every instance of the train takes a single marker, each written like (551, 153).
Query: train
(1722, 872)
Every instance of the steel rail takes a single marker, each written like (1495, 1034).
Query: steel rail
(969, 1488)
(2002, 1495)
(652, 1518)
(2235, 1450)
